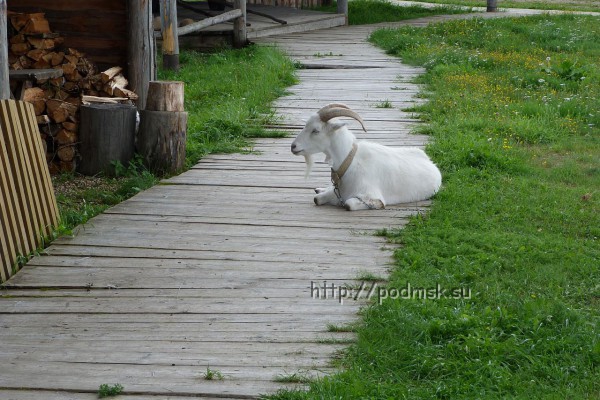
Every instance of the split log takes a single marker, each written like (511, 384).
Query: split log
(87, 99)
(66, 153)
(70, 126)
(57, 58)
(20, 48)
(165, 96)
(107, 133)
(42, 119)
(41, 43)
(60, 111)
(19, 20)
(18, 39)
(110, 73)
(64, 137)
(39, 106)
(161, 140)
(35, 26)
(122, 92)
(32, 94)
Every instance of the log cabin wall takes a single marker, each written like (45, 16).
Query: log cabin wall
(97, 28)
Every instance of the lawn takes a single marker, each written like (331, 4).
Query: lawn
(361, 12)
(514, 115)
(570, 5)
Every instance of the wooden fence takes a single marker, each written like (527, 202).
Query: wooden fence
(28, 209)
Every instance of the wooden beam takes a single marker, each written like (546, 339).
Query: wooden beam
(205, 23)
(140, 49)
(4, 80)
(342, 8)
(240, 38)
(492, 5)
(170, 44)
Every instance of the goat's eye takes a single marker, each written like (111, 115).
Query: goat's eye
(314, 132)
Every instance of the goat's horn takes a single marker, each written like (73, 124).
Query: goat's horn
(333, 105)
(340, 112)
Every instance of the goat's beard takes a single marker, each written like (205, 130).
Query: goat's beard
(309, 164)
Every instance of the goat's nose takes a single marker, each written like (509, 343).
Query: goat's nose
(293, 146)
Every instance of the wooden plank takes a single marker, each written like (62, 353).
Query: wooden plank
(140, 49)
(174, 320)
(25, 305)
(10, 240)
(17, 179)
(35, 394)
(153, 380)
(246, 282)
(38, 180)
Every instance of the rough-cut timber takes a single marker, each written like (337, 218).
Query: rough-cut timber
(140, 49)
(170, 43)
(107, 134)
(240, 37)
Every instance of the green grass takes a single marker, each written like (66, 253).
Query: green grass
(297, 377)
(514, 114)
(106, 390)
(212, 375)
(570, 5)
(228, 96)
(81, 198)
(361, 12)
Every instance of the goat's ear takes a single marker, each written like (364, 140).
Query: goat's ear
(334, 126)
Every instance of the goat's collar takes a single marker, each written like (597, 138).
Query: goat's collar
(336, 176)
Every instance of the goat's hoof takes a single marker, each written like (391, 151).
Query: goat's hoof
(318, 201)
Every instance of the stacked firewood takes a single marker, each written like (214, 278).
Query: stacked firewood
(56, 101)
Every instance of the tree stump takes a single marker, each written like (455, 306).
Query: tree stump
(106, 134)
(161, 140)
(162, 134)
(165, 96)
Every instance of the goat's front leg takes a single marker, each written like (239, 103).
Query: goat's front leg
(326, 196)
(355, 204)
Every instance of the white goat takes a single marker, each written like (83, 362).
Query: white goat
(365, 175)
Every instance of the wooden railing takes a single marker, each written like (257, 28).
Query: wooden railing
(28, 209)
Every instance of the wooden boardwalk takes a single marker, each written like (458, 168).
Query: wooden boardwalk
(213, 268)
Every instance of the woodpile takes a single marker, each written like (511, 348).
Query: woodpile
(32, 45)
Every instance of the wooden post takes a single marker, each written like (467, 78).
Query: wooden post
(492, 5)
(239, 25)
(170, 41)
(140, 49)
(4, 80)
(342, 8)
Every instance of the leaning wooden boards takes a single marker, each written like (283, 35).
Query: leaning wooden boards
(28, 207)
